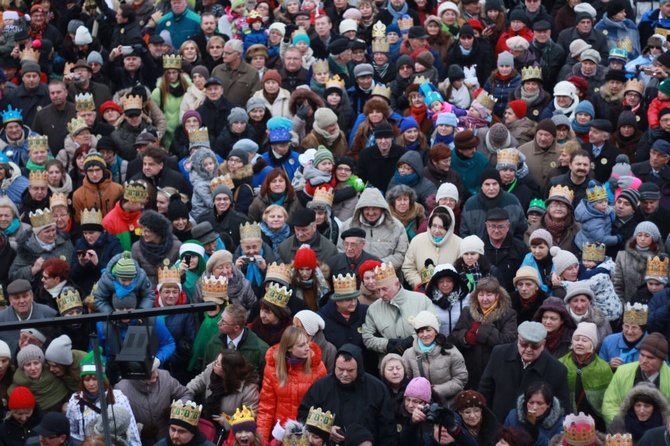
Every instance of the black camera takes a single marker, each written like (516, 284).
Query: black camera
(187, 259)
(434, 413)
(251, 259)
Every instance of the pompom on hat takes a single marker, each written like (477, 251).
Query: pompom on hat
(562, 259)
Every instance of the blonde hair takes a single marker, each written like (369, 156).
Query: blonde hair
(275, 207)
(291, 336)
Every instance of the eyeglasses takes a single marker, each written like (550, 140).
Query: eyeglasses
(525, 345)
(343, 169)
(498, 227)
(437, 228)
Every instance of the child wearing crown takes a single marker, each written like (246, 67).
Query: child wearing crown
(256, 34)
(596, 217)
(655, 279)
(597, 270)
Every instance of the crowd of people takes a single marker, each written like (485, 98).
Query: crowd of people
(411, 222)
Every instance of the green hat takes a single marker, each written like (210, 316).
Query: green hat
(88, 364)
(665, 86)
(125, 267)
(322, 154)
(537, 205)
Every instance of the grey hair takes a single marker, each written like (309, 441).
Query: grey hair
(398, 191)
(235, 45)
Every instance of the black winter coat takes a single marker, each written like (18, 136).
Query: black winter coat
(341, 331)
(507, 259)
(480, 55)
(215, 116)
(228, 223)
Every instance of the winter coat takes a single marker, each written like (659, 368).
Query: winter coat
(618, 425)
(215, 115)
(499, 327)
(281, 402)
(387, 238)
(239, 84)
(505, 378)
(125, 136)
(659, 313)
(101, 196)
(247, 394)
(424, 187)
(596, 225)
(480, 58)
(340, 330)
(103, 294)
(624, 34)
(630, 268)
(623, 381)
(152, 269)
(28, 250)
(393, 319)
(171, 108)
(615, 346)
(551, 424)
(279, 108)
(595, 38)
(506, 260)
(228, 223)
(539, 161)
(423, 247)
(261, 203)
(192, 99)
(567, 239)
(14, 434)
(523, 130)
(470, 171)
(473, 216)
(595, 377)
(250, 346)
(501, 89)
(374, 168)
(29, 102)
(14, 185)
(338, 148)
(533, 111)
(239, 290)
(446, 371)
(148, 401)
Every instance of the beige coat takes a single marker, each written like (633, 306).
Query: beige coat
(539, 161)
(280, 106)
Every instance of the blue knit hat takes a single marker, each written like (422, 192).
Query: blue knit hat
(585, 107)
(447, 118)
(407, 123)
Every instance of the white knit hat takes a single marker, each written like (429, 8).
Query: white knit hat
(471, 243)
(311, 321)
(426, 319)
(565, 88)
(82, 36)
(60, 351)
(5, 352)
(588, 330)
(562, 259)
(448, 6)
(447, 190)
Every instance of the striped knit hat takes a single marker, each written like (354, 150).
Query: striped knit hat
(125, 267)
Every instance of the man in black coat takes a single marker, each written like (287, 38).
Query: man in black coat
(395, 9)
(352, 258)
(31, 95)
(355, 396)
(158, 174)
(216, 108)
(223, 218)
(655, 169)
(512, 367)
(650, 136)
(602, 152)
(377, 164)
(501, 248)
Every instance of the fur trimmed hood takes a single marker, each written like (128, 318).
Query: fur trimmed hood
(649, 391)
(555, 413)
(504, 304)
(299, 95)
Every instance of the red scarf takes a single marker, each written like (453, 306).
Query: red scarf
(419, 113)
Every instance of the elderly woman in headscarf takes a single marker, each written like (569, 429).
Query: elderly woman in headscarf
(156, 244)
(220, 263)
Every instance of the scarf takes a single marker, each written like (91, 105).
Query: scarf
(410, 216)
(557, 228)
(13, 227)
(46, 246)
(554, 338)
(317, 177)
(177, 90)
(381, 70)
(419, 113)
(471, 275)
(567, 111)
(295, 361)
(490, 203)
(426, 348)
(486, 313)
(397, 14)
(412, 146)
(276, 237)
(464, 51)
(278, 198)
(36, 31)
(329, 138)
(55, 291)
(253, 274)
(410, 180)
(528, 97)
(581, 128)
(637, 428)
(49, 391)
(32, 167)
(472, 123)
(271, 97)
(448, 140)
(156, 253)
(576, 318)
(124, 290)
(442, 301)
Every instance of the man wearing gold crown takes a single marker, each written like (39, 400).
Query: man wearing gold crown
(184, 430)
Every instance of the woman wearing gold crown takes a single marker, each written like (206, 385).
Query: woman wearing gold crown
(169, 93)
(292, 367)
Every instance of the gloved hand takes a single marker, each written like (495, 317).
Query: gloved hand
(450, 420)
(625, 182)
(392, 345)
(303, 111)
(290, 29)
(405, 344)
(613, 182)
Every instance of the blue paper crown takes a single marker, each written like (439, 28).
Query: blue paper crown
(280, 135)
(430, 93)
(11, 114)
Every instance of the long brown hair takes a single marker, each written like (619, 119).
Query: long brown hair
(274, 173)
(164, 85)
(109, 391)
(291, 336)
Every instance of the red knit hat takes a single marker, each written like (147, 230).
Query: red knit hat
(21, 398)
(476, 24)
(305, 257)
(368, 265)
(519, 107)
(110, 104)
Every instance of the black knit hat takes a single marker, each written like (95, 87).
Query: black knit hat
(614, 7)
(176, 208)
(519, 14)
(491, 173)
(157, 223)
(627, 117)
(455, 73)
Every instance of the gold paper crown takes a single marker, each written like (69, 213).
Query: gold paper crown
(593, 251)
(319, 419)
(131, 102)
(76, 125)
(41, 217)
(380, 46)
(189, 413)
(634, 85)
(320, 66)
(38, 178)
(486, 100)
(278, 295)
(91, 217)
(334, 81)
(426, 273)
(345, 284)
(324, 195)
(562, 191)
(378, 30)
(279, 272)
(84, 102)
(405, 23)
(30, 54)
(38, 143)
(635, 314)
(168, 274)
(385, 274)
(657, 267)
(58, 199)
(381, 90)
(508, 157)
(215, 287)
(528, 73)
(68, 300)
(221, 180)
(172, 62)
(420, 80)
(244, 415)
(135, 192)
(250, 230)
(596, 193)
(619, 440)
(579, 430)
(200, 135)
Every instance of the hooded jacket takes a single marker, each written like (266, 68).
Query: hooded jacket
(550, 425)
(387, 238)
(618, 424)
(365, 401)
(473, 216)
(200, 178)
(103, 294)
(423, 187)
(424, 247)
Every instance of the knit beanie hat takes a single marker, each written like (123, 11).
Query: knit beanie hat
(191, 114)
(455, 73)
(60, 351)
(30, 67)
(254, 103)
(5, 352)
(650, 228)
(649, 191)
(157, 223)
(490, 173)
(627, 117)
(621, 166)
(247, 145)
(589, 330)
(310, 321)
(82, 36)
(580, 288)
(219, 258)
(368, 265)
(322, 154)
(271, 75)
(118, 420)
(94, 159)
(632, 196)
(447, 119)
(585, 107)
(222, 190)
(665, 86)
(446, 190)
(305, 257)
(526, 273)
(547, 125)
(471, 243)
(426, 319)
(240, 153)
(407, 123)
(35, 333)
(94, 57)
(505, 59)
(519, 107)
(125, 267)
(562, 259)
(655, 344)
(21, 398)
(498, 134)
(560, 119)
(29, 353)
(176, 208)
(201, 70)
(419, 388)
(325, 117)
(543, 235)
(237, 114)
(128, 301)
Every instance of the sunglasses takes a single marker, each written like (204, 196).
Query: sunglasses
(524, 345)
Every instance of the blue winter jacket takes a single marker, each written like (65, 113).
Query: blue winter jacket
(106, 247)
(103, 294)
